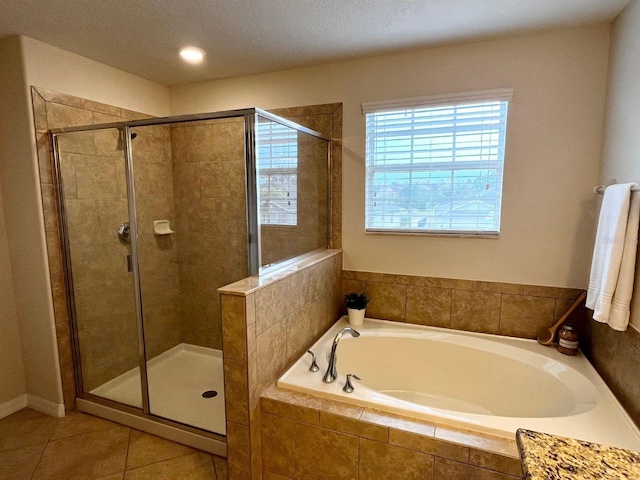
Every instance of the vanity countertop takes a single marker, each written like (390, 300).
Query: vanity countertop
(549, 457)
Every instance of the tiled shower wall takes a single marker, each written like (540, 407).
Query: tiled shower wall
(264, 330)
(211, 220)
(151, 151)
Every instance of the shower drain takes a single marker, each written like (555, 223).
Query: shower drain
(209, 394)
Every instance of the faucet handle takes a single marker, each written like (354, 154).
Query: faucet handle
(314, 366)
(348, 386)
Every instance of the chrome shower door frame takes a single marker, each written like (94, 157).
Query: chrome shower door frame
(135, 266)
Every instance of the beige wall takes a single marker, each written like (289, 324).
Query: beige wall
(25, 231)
(12, 371)
(553, 147)
(62, 71)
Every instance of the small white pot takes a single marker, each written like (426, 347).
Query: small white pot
(356, 317)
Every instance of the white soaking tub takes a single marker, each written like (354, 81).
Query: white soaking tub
(482, 382)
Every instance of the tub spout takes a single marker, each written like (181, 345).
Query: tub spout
(332, 370)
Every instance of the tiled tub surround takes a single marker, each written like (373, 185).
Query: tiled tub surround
(267, 322)
(308, 437)
(487, 383)
(487, 307)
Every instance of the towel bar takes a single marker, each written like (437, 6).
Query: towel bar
(600, 189)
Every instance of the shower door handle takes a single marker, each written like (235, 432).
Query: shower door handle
(129, 264)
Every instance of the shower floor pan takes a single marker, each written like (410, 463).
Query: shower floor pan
(177, 379)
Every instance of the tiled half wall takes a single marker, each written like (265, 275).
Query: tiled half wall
(268, 322)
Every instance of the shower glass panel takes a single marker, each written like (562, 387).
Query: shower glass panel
(293, 197)
(91, 168)
(190, 195)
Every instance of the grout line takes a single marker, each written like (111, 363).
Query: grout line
(500, 315)
(215, 469)
(39, 461)
(165, 459)
(126, 458)
(87, 432)
(359, 457)
(22, 447)
(53, 430)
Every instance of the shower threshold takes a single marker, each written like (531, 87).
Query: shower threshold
(177, 380)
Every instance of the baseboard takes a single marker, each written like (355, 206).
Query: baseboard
(45, 406)
(12, 406)
(31, 401)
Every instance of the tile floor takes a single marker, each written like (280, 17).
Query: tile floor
(35, 446)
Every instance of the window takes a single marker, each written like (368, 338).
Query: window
(434, 165)
(277, 173)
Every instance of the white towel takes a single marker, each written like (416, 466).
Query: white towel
(617, 233)
(621, 304)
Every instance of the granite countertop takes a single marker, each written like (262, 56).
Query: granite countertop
(549, 457)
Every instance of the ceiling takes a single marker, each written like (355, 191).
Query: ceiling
(244, 37)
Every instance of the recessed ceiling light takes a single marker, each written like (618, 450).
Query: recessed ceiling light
(192, 55)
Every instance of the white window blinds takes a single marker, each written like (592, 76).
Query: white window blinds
(277, 173)
(434, 165)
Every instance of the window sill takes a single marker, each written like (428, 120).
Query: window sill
(412, 233)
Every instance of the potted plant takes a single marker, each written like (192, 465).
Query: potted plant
(356, 305)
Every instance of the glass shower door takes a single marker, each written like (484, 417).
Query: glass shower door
(190, 196)
(94, 207)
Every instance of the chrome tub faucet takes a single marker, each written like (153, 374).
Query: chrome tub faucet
(332, 370)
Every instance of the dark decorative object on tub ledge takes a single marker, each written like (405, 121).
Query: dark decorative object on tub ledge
(356, 306)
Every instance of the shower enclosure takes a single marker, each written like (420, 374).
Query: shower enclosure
(157, 215)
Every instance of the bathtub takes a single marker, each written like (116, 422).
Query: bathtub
(481, 382)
